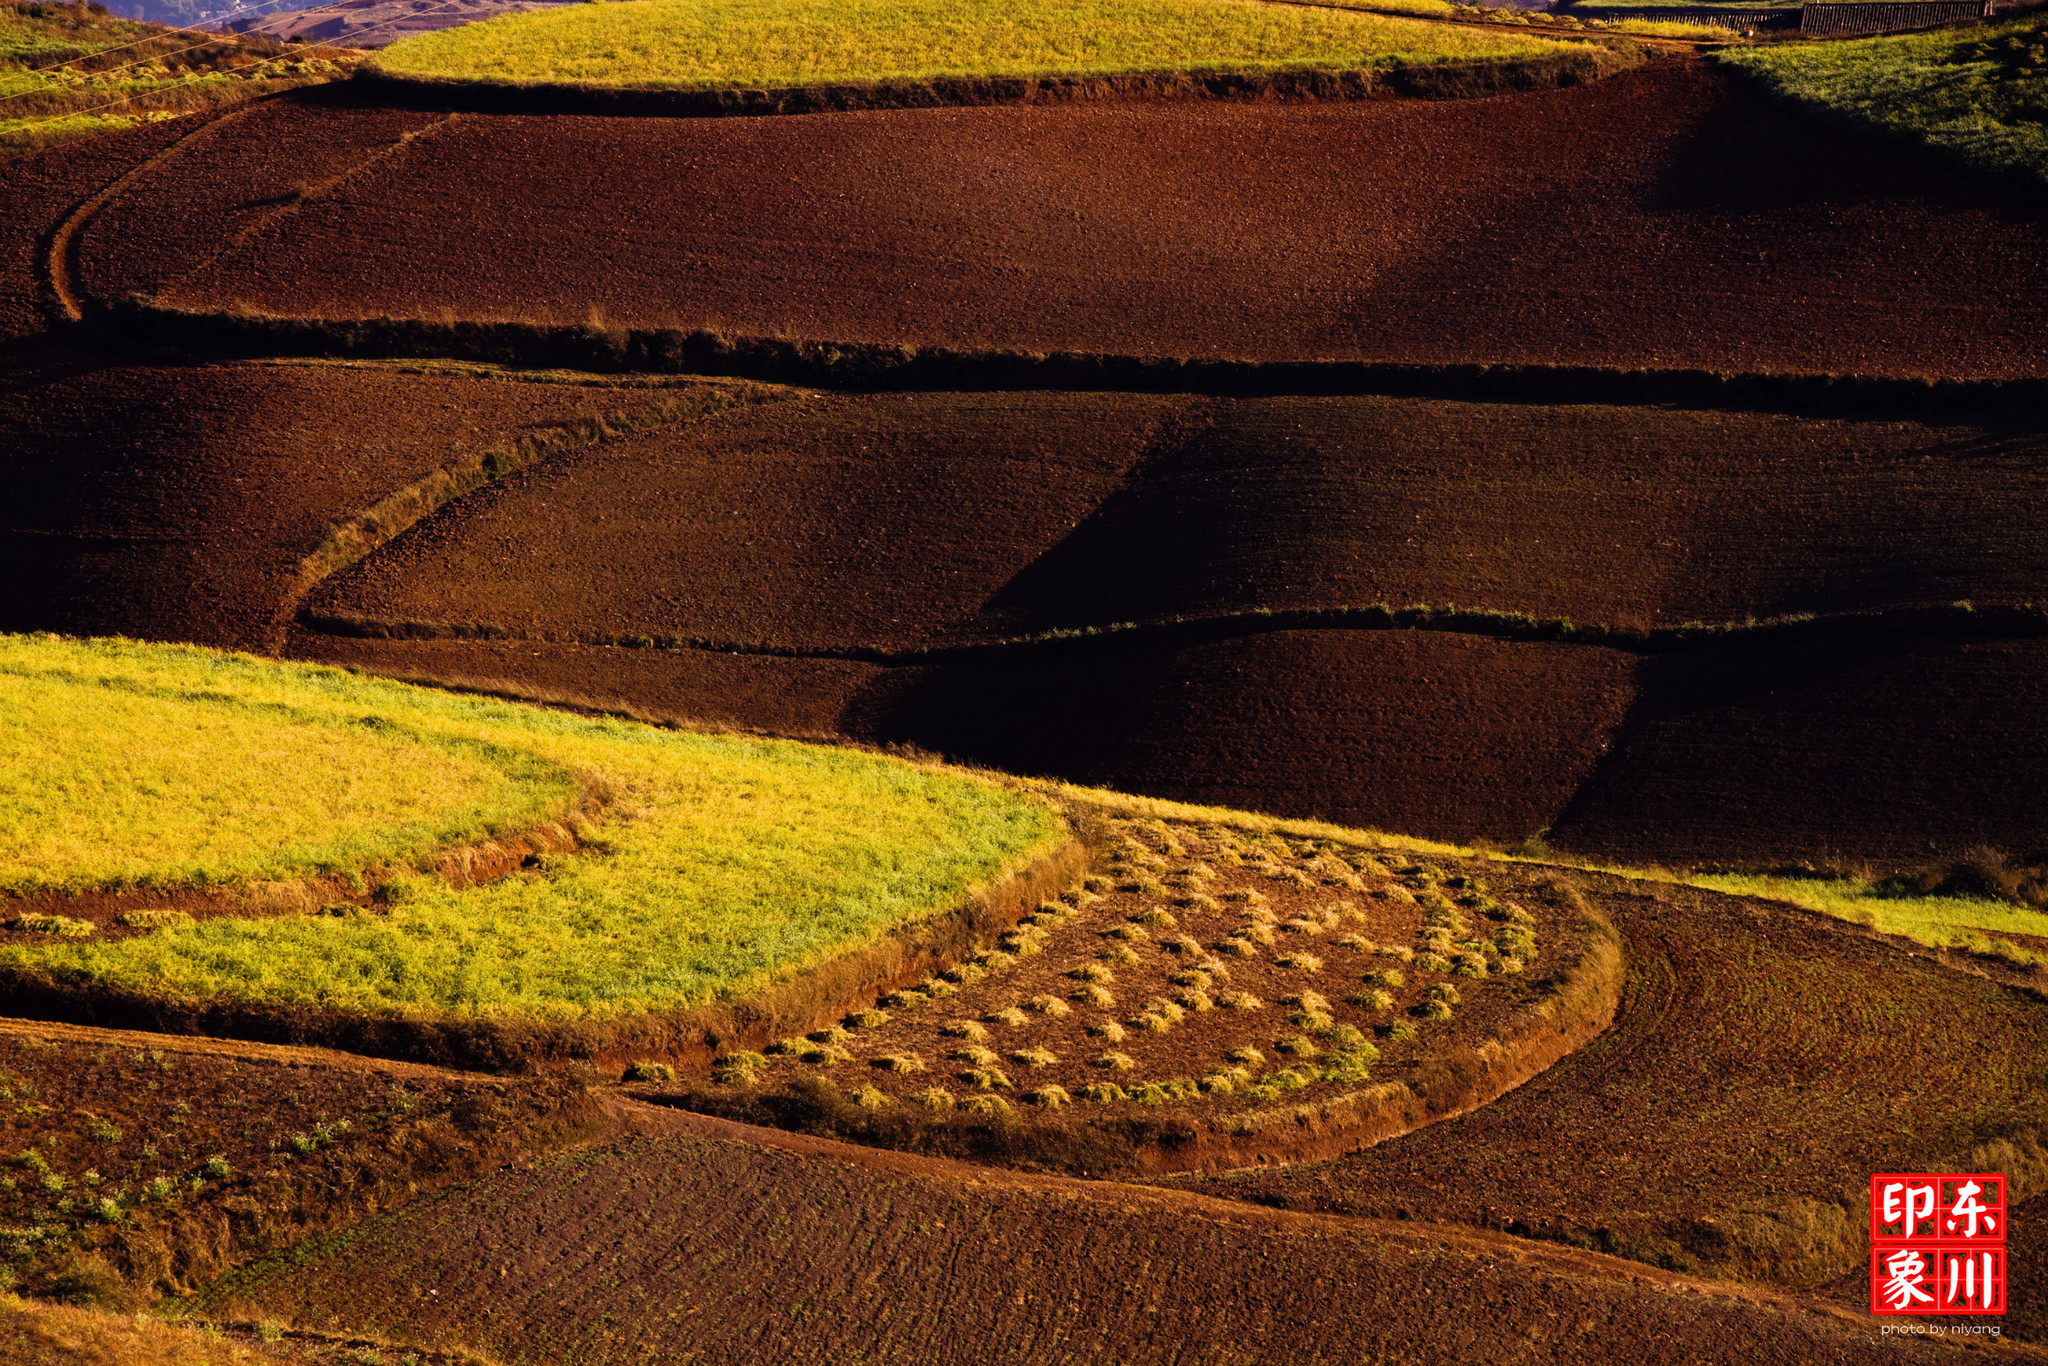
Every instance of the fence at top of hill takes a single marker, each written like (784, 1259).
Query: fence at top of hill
(1883, 16)
(1823, 16)
(1741, 20)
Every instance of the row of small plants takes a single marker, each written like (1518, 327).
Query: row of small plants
(1321, 1048)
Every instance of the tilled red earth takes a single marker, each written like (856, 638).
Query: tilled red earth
(899, 520)
(1667, 217)
(1895, 750)
(176, 502)
(1764, 1063)
(683, 1247)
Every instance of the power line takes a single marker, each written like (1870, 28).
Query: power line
(198, 76)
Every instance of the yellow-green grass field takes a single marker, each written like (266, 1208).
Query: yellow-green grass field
(70, 71)
(723, 863)
(1978, 94)
(708, 44)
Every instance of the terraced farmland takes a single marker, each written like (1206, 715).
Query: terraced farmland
(1705, 228)
(1627, 474)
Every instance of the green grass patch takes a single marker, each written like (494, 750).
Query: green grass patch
(1978, 94)
(1962, 922)
(116, 776)
(705, 44)
(727, 862)
(69, 72)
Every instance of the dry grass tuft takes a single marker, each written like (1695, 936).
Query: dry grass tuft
(1098, 996)
(1115, 1062)
(964, 1029)
(1051, 1006)
(1008, 1015)
(1036, 1056)
(1109, 1031)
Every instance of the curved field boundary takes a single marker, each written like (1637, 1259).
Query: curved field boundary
(58, 258)
(463, 865)
(962, 1265)
(796, 1005)
(1580, 1005)
(1958, 621)
(1443, 80)
(864, 366)
(350, 539)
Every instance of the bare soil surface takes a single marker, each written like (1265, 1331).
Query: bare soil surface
(1667, 217)
(1393, 730)
(715, 1244)
(1893, 750)
(176, 502)
(167, 1160)
(901, 520)
(1218, 998)
(1765, 1061)
(845, 521)
(799, 697)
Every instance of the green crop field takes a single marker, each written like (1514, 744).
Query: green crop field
(699, 44)
(1978, 94)
(722, 863)
(228, 787)
(68, 71)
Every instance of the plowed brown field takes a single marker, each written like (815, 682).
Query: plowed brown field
(1764, 1062)
(905, 519)
(176, 503)
(1884, 750)
(702, 1242)
(1668, 217)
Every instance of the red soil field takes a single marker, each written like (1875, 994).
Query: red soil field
(900, 520)
(304, 1140)
(175, 503)
(1765, 1061)
(802, 697)
(1666, 217)
(843, 521)
(1394, 730)
(38, 190)
(1888, 751)
(711, 1243)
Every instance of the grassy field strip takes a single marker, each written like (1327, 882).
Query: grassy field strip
(348, 540)
(727, 864)
(231, 789)
(1564, 26)
(1940, 922)
(707, 44)
(69, 73)
(1991, 621)
(863, 367)
(1978, 94)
